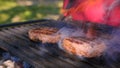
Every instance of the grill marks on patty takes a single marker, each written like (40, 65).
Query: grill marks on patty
(45, 30)
(78, 46)
(44, 34)
(74, 41)
(77, 40)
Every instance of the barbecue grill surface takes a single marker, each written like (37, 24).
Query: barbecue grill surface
(14, 39)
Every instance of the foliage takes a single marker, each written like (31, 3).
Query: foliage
(10, 11)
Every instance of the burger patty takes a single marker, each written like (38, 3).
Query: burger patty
(82, 47)
(44, 34)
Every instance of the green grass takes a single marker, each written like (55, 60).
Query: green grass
(10, 11)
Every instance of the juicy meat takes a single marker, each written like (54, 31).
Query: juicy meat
(83, 47)
(44, 34)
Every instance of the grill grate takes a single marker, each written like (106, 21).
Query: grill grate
(14, 39)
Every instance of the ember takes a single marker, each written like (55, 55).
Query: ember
(9, 61)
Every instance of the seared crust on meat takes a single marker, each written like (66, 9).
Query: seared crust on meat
(44, 34)
(80, 47)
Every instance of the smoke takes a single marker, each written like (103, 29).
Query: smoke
(69, 31)
(110, 9)
(112, 53)
(111, 40)
(106, 12)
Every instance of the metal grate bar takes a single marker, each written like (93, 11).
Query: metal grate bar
(14, 38)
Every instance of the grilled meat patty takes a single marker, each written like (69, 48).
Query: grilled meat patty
(79, 46)
(82, 47)
(44, 34)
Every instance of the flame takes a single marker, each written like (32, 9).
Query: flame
(95, 11)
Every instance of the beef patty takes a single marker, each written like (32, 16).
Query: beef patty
(82, 47)
(44, 34)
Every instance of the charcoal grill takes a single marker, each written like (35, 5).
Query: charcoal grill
(14, 39)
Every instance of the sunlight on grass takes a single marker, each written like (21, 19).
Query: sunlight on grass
(11, 11)
(5, 4)
(39, 15)
(26, 14)
(3, 17)
(16, 19)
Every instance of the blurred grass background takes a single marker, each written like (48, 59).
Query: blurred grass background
(25, 10)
